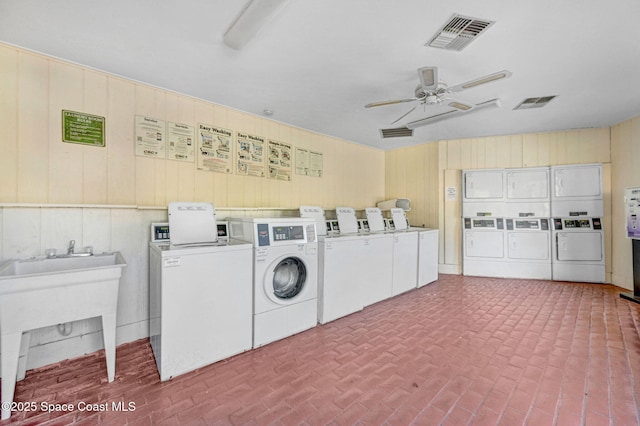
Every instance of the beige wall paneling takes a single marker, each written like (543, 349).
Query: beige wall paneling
(220, 181)
(95, 100)
(503, 152)
(66, 169)
(236, 189)
(530, 150)
(203, 113)
(150, 103)
(515, 150)
(121, 159)
(35, 133)
(625, 150)
(452, 222)
(8, 125)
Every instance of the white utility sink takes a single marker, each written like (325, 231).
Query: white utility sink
(41, 291)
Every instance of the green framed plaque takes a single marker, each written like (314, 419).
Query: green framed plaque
(81, 128)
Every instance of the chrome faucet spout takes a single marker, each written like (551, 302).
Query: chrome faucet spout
(72, 245)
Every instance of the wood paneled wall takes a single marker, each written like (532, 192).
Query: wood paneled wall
(625, 158)
(37, 167)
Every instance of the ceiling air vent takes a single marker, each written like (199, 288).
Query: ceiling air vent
(530, 103)
(398, 132)
(458, 32)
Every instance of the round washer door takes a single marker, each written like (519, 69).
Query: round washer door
(288, 280)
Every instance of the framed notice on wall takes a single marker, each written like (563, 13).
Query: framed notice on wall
(214, 149)
(308, 163)
(279, 155)
(181, 142)
(83, 129)
(150, 138)
(250, 155)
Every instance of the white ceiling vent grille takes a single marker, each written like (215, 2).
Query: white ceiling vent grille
(458, 32)
(398, 132)
(531, 103)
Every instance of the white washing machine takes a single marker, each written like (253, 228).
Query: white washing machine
(200, 296)
(528, 192)
(576, 190)
(483, 192)
(528, 248)
(427, 255)
(285, 275)
(405, 252)
(578, 250)
(483, 242)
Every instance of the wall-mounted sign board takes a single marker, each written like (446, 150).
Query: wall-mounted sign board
(83, 129)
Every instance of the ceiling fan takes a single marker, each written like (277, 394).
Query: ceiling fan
(430, 91)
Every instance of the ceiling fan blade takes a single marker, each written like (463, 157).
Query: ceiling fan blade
(428, 77)
(479, 81)
(392, 102)
(405, 114)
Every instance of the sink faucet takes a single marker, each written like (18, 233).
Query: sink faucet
(72, 245)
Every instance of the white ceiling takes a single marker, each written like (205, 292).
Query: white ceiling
(318, 62)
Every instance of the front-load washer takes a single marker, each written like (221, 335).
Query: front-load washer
(528, 248)
(578, 250)
(483, 246)
(285, 274)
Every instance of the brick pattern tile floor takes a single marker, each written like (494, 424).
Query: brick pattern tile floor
(462, 350)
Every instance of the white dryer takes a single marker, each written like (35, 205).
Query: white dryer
(528, 248)
(576, 190)
(483, 192)
(483, 240)
(285, 275)
(528, 192)
(578, 250)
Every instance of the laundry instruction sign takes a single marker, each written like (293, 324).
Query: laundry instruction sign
(81, 128)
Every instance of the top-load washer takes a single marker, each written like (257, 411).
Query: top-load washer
(200, 291)
(405, 252)
(285, 274)
(354, 268)
(578, 250)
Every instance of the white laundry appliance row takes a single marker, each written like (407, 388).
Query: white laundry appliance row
(363, 261)
(508, 216)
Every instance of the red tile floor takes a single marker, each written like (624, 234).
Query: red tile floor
(460, 351)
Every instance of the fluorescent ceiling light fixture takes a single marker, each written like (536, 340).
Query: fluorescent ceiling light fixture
(454, 113)
(254, 15)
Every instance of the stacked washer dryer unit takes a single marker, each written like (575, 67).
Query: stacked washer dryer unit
(405, 252)
(483, 225)
(285, 275)
(200, 295)
(528, 230)
(577, 206)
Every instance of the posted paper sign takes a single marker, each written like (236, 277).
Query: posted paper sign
(250, 155)
(214, 149)
(150, 137)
